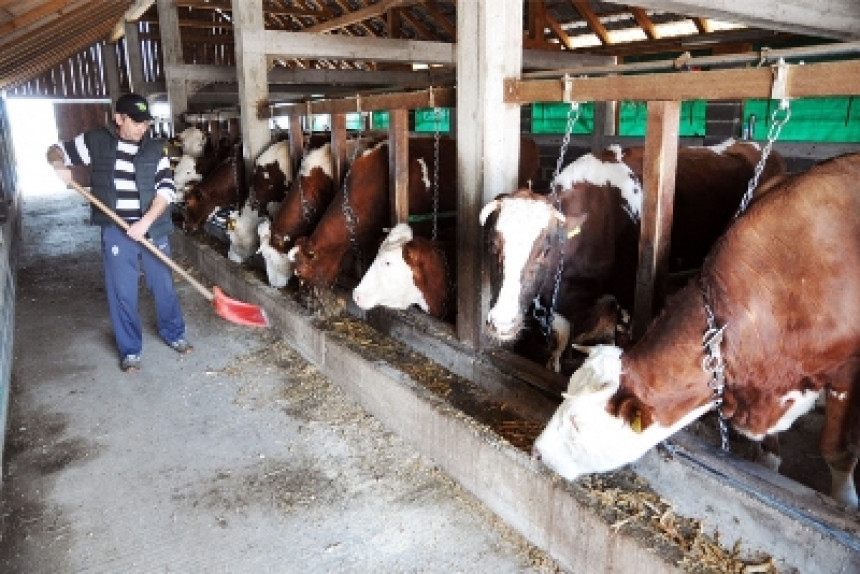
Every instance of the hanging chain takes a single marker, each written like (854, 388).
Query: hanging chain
(437, 122)
(544, 316)
(778, 119)
(714, 364)
(348, 213)
(307, 209)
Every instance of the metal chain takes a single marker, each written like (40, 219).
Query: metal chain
(437, 122)
(348, 213)
(307, 210)
(776, 125)
(714, 364)
(545, 316)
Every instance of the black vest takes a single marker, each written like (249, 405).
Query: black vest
(101, 144)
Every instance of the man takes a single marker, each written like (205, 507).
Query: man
(130, 174)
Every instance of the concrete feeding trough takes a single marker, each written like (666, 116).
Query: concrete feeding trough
(684, 504)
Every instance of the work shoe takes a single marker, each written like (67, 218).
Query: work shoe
(181, 346)
(130, 363)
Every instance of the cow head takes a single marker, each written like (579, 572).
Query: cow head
(390, 280)
(185, 173)
(272, 174)
(194, 208)
(317, 266)
(523, 247)
(601, 425)
(242, 232)
(279, 269)
(194, 141)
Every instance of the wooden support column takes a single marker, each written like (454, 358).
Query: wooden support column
(171, 47)
(489, 49)
(398, 159)
(658, 186)
(248, 32)
(338, 147)
(111, 71)
(297, 142)
(135, 62)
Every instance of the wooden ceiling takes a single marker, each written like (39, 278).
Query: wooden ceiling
(38, 34)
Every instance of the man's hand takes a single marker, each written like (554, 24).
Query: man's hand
(138, 229)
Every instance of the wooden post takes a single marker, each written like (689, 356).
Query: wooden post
(135, 62)
(297, 142)
(338, 147)
(111, 65)
(489, 49)
(398, 159)
(171, 47)
(248, 32)
(658, 187)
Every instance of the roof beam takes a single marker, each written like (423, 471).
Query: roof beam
(372, 11)
(593, 21)
(837, 19)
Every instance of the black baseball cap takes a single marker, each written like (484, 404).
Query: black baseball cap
(134, 106)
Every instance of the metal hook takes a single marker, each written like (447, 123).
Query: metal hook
(779, 88)
(567, 82)
(358, 103)
(432, 99)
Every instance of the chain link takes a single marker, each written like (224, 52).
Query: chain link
(437, 125)
(573, 114)
(776, 125)
(714, 364)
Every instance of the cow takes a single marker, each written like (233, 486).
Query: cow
(596, 232)
(223, 187)
(272, 175)
(779, 297)
(408, 270)
(318, 257)
(193, 141)
(278, 268)
(242, 227)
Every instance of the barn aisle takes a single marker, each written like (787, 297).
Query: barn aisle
(238, 458)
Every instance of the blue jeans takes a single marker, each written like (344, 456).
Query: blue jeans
(122, 258)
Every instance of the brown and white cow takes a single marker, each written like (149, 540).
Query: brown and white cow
(596, 233)
(223, 187)
(318, 257)
(408, 270)
(784, 283)
(273, 173)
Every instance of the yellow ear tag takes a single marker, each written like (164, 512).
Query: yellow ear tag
(636, 423)
(574, 231)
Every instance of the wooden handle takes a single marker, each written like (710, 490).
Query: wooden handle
(148, 244)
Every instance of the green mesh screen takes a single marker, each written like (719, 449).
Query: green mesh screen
(425, 120)
(810, 120)
(633, 118)
(551, 118)
(379, 120)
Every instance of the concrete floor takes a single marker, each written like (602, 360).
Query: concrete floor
(239, 457)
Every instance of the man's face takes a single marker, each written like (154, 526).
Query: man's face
(128, 129)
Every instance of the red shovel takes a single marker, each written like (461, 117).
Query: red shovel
(230, 309)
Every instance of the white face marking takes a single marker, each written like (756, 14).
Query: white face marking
(193, 141)
(802, 402)
(389, 281)
(590, 169)
(185, 172)
(520, 222)
(244, 235)
(279, 269)
(581, 437)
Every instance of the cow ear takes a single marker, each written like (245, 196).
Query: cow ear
(635, 414)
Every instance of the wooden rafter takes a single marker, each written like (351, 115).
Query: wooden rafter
(431, 6)
(421, 30)
(703, 25)
(645, 23)
(559, 32)
(593, 21)
(33, 15)
(372, 11)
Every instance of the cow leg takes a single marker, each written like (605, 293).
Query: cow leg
(558, 342)
(839, 437)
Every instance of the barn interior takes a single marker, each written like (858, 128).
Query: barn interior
(658, 73)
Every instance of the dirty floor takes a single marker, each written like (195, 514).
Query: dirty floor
(239, 457)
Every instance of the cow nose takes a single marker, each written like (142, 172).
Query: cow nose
(536, 452)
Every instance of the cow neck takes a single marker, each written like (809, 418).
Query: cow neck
(664, 369)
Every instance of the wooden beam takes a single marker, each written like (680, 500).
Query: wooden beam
(443, 97)
(431, 6)
(593, 21)
(658, 188)
(307, 45)
(645, 23)
(33, 15)
(171, 47)
(559, 32)
(836, 19)
(398, 159)
(372, 11)
(804, 81)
